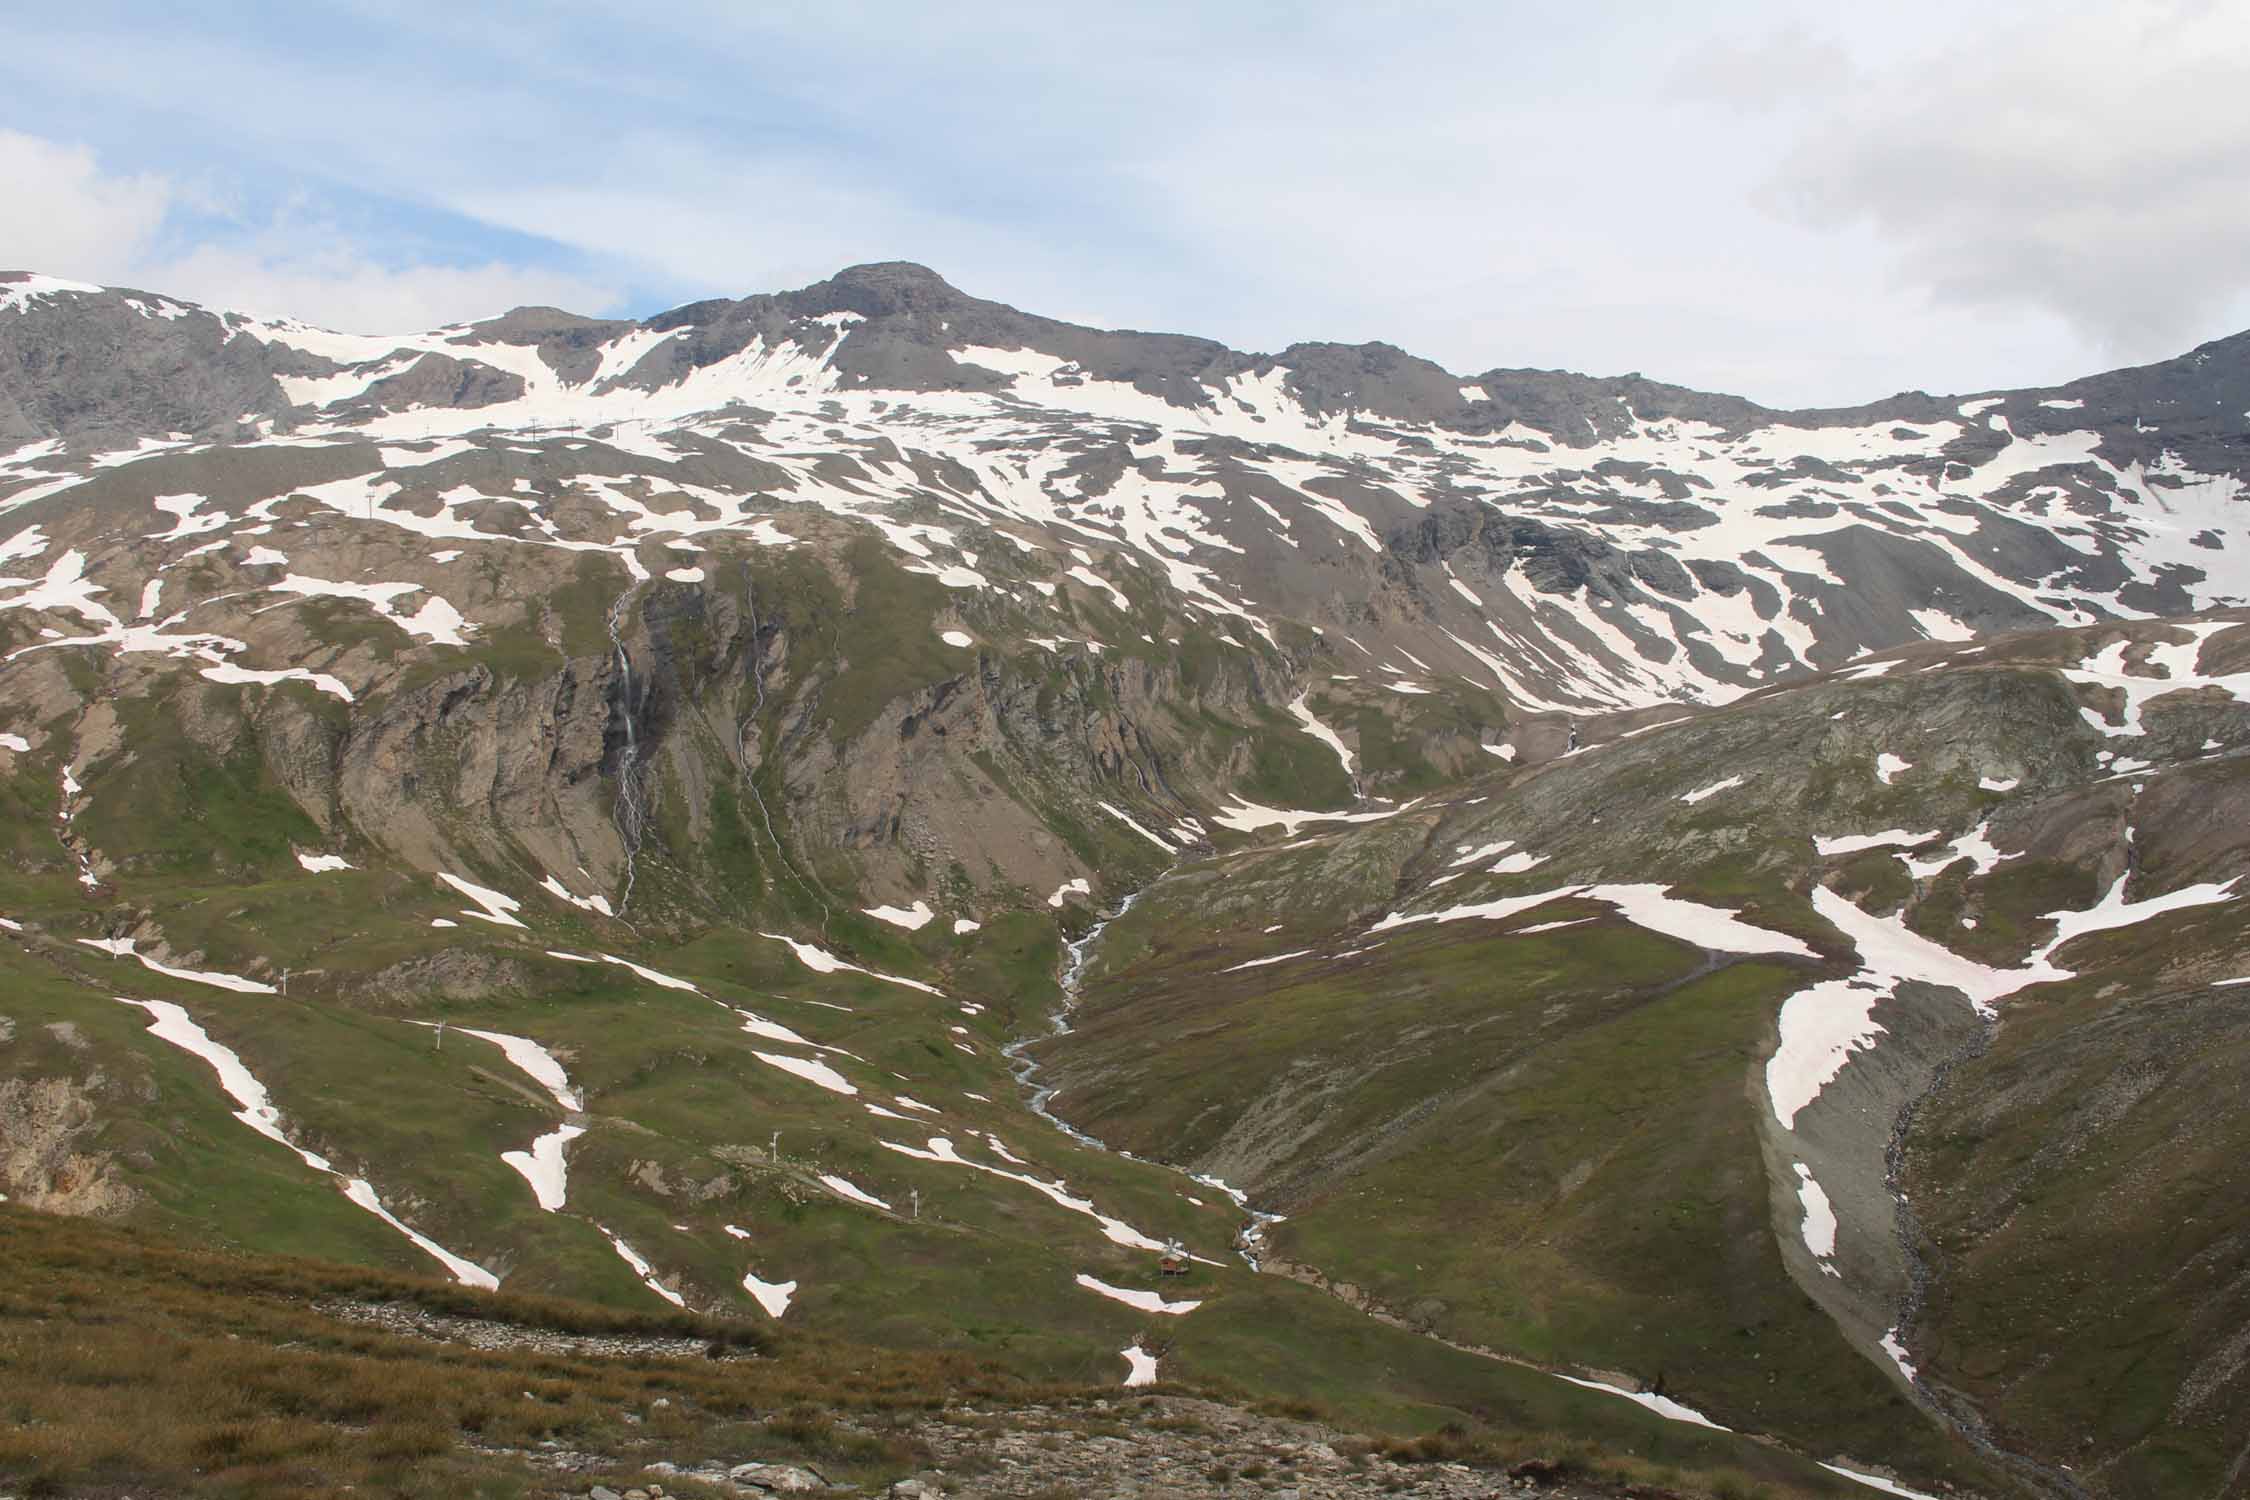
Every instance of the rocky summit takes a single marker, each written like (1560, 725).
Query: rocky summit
(860, 891)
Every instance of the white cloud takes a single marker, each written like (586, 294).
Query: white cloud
(63, 214)
(337, 288)
(2085, 164)
(1808, 207)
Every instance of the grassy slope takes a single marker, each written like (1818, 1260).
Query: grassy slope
(257, 1391)
(1546, 1143)
(682, 1115)
(1536, 1159)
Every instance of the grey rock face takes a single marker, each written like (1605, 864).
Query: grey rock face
(118, 365)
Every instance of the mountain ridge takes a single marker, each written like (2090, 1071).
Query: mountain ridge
(918, 295)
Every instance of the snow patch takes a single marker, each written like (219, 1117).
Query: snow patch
(125, 948)
(172, 1024)
(1140, 1365)
(821, 961)
(773, 1296)
(844, 1189)
(1853, 843)
(1131, 1297)
(1321, 732)
(543, 1165)
(1116, 1231)
(1248, 817)
(1650, 906)
(492, 906)
(641, 1268)
(810, 1070)
(1259, 963)
(1663, 1406)
(561, 892)
(1131, 822)
(1820, 1219)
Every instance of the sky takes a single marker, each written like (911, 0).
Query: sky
(1805, 205)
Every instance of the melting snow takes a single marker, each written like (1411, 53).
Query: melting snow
(543, 1167)
(913, 918)
(321, 864)
(1975, 846)
(534, 1062)
(1853, 843)
(1130, 822)
(1898, 1354)
(1117, 1231)
(774, 1031)
(1249, 817)
(124, 948)
(821, 961)
(1145, 1301)
(1663, 1406)
(1320, 731)
(1823, 1025)
(1075, 886)
(843, 1189)
(1888, 765)
(642, 1268)
(666, 981)
(228, 674)
(2176, 661)
(1820, 1219)
(1141, 1365)
(436, 621)
(174, 1025)
(1878, 1482)
(1259, 963)
(962, 926)
(959, 638)
(1712, 790)
(561, 892)
(809, 1070)
(1649, 906)
(496, 908)
(773, 1296)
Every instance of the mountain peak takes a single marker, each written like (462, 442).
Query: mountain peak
(881, 288)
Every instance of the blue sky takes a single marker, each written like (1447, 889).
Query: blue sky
(1804, 206)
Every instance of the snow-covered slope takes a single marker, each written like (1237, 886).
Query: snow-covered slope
(1571, 544)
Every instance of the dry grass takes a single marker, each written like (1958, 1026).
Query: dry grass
(128, 1364)
(132, 1365)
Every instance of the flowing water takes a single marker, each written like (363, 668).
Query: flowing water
(1249, 1241)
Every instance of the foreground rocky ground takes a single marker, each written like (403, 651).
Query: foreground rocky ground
(1152, 1446)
